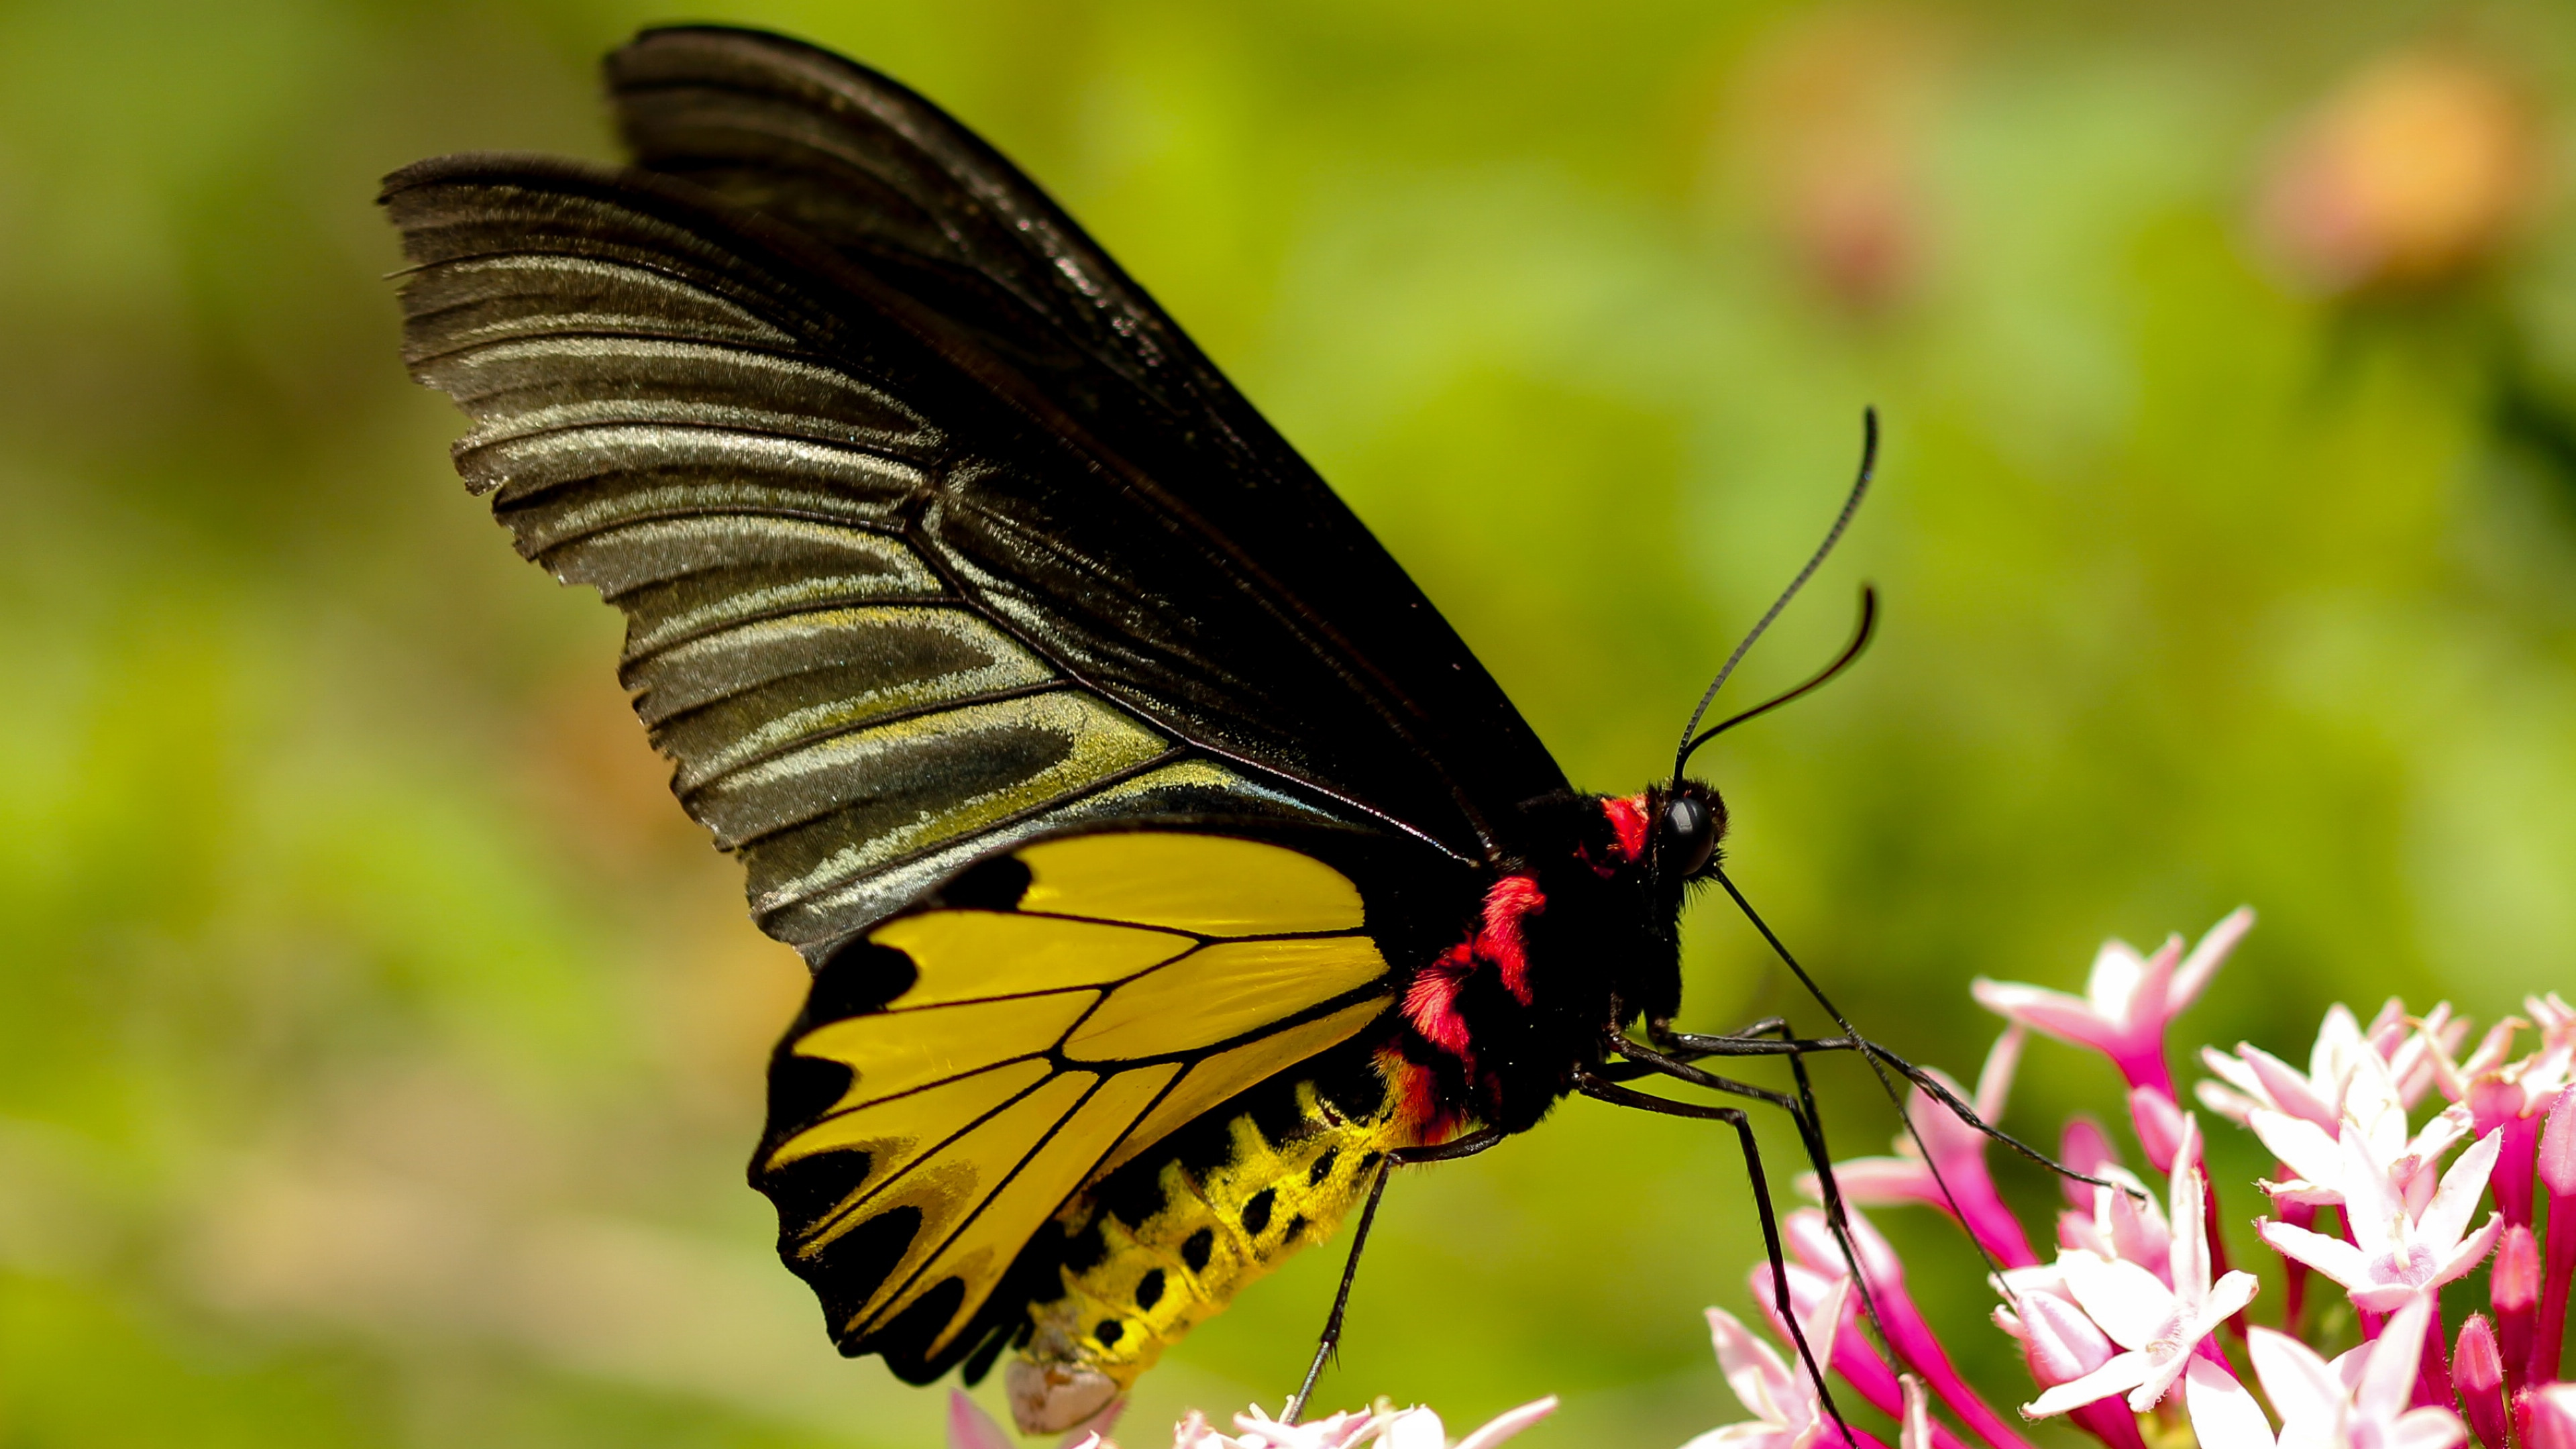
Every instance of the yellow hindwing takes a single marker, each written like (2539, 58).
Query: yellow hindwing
(1138, 980)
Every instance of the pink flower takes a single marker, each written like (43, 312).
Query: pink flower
(1414, 1428)
(969, 1427)
(2553, 1017)
(2546, 1417)
(2128, 1000)
(2374, 1114)
(2477, 1372)
(2122, 1225)
(2398, 1252)
(1257, 1430)
(1909, 1337)
(1957, 1161)
(2358, 1401)
(2256, 1079)
(1787, 1413)
(2158, 1324)
(1419, 1428)
(2061, 1342)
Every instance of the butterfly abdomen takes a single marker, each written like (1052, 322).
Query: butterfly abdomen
(1164, 1246)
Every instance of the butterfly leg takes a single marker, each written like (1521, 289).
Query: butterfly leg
(1465, 1146)
(1773, 1035)
(1606, 1091)
(1680, 1047)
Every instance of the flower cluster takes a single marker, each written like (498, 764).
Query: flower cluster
(1383, 1425)
(2137, 1326)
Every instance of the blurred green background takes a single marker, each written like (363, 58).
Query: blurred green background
(380, 1048)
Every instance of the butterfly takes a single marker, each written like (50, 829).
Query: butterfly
(1168, 868)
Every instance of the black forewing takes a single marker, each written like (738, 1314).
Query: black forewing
(1196, 565)
(674, 406)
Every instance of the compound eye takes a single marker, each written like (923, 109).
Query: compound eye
(1690, 835)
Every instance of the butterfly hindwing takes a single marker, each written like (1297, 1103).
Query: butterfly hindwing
(1055, 1012)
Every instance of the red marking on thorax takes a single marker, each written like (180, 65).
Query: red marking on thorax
(1431, 1002)
(1628, 821)
(1512, 898)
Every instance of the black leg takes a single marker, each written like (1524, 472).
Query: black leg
(1683, 1047)
(1466, 1146)
(1811, 1138)
(1604, 1091)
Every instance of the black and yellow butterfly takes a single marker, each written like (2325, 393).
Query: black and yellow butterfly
(1168, 868)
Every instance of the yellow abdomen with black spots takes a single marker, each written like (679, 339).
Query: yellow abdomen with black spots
(1131, 1289)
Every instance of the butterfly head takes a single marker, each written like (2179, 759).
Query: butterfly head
(1689, 821)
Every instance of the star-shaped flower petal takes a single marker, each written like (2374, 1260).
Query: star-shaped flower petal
(2374, 1111)
(1787, 1413)
(2398, 1251)
(2128, 1000)
(1419, 1428)
(2359, 1401)
(2158, 1326)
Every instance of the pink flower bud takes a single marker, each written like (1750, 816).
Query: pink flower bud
(2557, 1168)
(2513, 1286)
(2558, 1148)
(2546, 1417)
(2477, 1374)
(2087, 1148)
(2159, 1124)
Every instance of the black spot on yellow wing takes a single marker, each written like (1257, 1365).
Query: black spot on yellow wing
(1214, 1208)
(967, 1070)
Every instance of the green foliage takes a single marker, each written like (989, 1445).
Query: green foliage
(379, 1048)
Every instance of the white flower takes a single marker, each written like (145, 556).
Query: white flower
(2399, 1250)
(2554, 1018)
(1419, 1428)
(1787, 1414)
(1414, 1428)
(2156, 1324)
(2359, 1401)
(2374, 1111)
(1257, 1430)
(2255, 1079)
(1916, 1431)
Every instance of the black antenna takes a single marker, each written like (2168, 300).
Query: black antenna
(1861, 636)
(1842, 520)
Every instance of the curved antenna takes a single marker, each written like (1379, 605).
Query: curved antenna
(1842, 520)
(1868, 629)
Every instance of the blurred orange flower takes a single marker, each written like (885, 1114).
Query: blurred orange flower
(2423, 165)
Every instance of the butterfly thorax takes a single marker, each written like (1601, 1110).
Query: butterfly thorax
(1576, 939)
